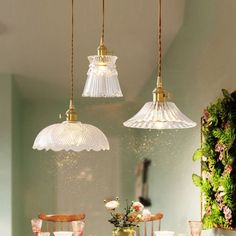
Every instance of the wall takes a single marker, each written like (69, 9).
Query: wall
(5, 155)
(17, 164)
(10, 158)
(199, 63)
(59, 182)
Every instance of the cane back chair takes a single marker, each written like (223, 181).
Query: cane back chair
(153, 223)
(60, 222)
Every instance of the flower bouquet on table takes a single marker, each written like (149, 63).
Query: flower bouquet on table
(127, 220)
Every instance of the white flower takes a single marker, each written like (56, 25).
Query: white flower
(112, 205)
(222, 194)
(221, 188)
(146, 215)
(204, 158)
(204, 175)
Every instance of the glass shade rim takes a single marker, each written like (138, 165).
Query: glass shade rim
(106, 56)
(48, 134)
(144, 120)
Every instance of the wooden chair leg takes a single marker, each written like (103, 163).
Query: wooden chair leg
(152, 233)
(47, 227)
(145, 229)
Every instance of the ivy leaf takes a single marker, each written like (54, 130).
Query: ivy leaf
(197, 180)
(197, 154)
(226, 94)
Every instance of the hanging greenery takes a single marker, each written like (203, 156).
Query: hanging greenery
(218, 160)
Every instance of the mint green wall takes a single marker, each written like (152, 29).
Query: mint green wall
(59, 182)
(17, 162)
(199, 63)
(10, 158)
(5, 155)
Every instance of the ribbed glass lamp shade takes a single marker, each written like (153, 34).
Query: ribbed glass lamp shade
(159, 115)
(102, 80)
(71, 136)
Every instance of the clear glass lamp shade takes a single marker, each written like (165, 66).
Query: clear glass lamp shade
(71, 136)
(159, 115)
(102, 77)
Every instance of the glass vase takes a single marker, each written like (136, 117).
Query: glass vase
(195, 228)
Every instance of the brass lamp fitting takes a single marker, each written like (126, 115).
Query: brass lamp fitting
(71, 114)
(102, 50)
(159, 94)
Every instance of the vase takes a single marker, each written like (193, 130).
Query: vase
(195, 228)
(124, 231)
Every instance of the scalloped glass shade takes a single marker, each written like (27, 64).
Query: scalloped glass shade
(159, 115)
(102, 78)
(71, 136)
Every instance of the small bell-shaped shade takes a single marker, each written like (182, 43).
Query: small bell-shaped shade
(102, 80)
(71, 136)
(159, 115)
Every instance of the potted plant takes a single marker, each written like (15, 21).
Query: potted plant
(127, 220)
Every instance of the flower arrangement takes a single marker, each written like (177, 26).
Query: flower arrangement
(218, 159)
(131, 215)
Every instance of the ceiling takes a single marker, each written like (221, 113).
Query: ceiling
(35, 41)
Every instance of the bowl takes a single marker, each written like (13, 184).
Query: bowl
(164, 233)
(63, 233)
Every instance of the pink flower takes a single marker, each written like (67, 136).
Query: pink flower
(228, 214)
(206, 115)
(137, 206)
(220, 147)
(112, 205)
(221, 156)
(218, 197)
(228, 169)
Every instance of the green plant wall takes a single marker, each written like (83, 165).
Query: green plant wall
(218, 159)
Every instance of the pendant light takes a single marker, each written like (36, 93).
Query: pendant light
(102, 76)
(71, 135)
(159, 113)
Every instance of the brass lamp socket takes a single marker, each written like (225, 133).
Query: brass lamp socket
(71, 114)
(102, 50)
(159, 95)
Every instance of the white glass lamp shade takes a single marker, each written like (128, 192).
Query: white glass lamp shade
(159, 115)
(102, 77)
(71, 136)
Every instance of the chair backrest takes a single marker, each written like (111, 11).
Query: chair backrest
(150, 225)
(60, 222)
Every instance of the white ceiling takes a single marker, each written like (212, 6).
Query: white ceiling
(35, 41)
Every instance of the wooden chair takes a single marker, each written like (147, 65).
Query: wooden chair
(149, 225)
(60, 222)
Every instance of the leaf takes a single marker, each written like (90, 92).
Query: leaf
(197, 180)
(226, 94)
(197, 154)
